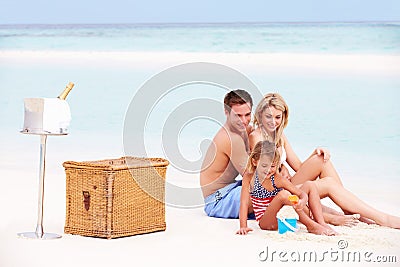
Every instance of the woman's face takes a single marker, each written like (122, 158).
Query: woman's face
(271, 119)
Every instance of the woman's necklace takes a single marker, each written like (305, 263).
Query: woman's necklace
(266, 136)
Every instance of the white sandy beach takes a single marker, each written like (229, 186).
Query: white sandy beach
(191, 237)
(344, 63)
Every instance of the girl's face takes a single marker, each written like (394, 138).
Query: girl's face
(264, 166)
(271, 119)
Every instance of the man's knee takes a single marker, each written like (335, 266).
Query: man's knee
(317, 160)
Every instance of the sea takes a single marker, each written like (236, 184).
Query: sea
(357, 117)
(364, 38)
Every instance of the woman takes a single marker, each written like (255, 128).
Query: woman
(271, 117)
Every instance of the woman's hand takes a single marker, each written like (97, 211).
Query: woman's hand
(244, 231)
(284, 172)
(320, 151)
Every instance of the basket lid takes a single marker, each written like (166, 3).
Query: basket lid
(118, 164)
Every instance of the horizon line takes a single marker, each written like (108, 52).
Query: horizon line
(203, 23)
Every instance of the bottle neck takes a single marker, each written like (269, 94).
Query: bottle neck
(66, 91)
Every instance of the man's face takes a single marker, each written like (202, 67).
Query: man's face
(239, 117)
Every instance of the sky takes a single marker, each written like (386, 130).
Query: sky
(195, 11)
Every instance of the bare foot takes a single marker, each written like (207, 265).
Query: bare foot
(342, 220)
(392, 222)
(329, 210)
(327, 227)
(385, 220)
(362, 219)
(366, 220)
(321, 230)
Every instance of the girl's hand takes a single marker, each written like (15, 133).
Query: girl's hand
(320, 151)
(244, 231)
(300, 205)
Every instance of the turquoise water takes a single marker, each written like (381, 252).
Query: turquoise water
(356, 116)
(262, 37)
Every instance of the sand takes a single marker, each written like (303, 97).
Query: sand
(261, 62)
(191, 238)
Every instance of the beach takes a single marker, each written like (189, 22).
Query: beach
(191, 238)
(247, 62)
(341, 84)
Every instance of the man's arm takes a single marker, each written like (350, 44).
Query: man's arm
(237, 153)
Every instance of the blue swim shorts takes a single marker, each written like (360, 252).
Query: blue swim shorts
(225, 202)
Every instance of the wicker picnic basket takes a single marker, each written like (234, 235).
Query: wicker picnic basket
(115, 197)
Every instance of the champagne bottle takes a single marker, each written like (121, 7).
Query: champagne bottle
(66, 91)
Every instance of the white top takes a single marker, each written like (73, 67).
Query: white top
(283, 158)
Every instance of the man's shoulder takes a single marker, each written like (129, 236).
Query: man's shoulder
(225, 136)
(226, 141)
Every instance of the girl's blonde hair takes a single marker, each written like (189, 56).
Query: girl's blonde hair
(273, 100)
(263, 148)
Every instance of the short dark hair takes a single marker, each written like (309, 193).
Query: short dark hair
(237, 97)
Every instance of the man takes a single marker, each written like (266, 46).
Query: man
(226, 158)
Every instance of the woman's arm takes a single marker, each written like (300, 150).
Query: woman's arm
(244, 204)
(291, 158)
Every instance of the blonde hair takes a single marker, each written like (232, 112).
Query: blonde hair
(263, 148)
(273, 100)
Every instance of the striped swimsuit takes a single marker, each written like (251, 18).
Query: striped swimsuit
(261, 197)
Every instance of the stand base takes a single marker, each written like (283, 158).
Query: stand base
(33, 235)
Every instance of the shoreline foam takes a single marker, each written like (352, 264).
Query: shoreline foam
(340, 63)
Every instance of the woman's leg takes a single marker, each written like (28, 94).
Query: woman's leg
(335, 217)
(313, 168)
(341, 219)
(347, 201)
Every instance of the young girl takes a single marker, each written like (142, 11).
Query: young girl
(269, 191)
